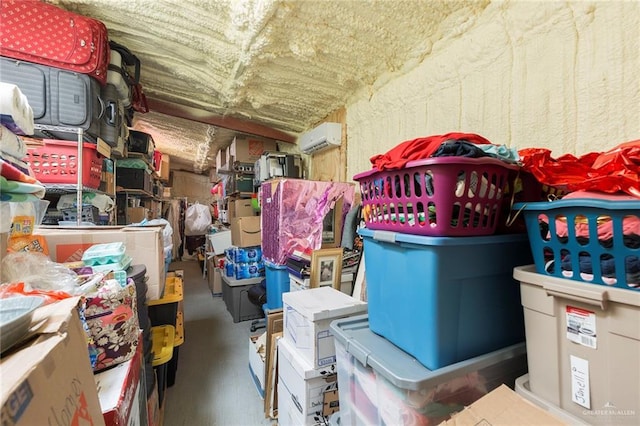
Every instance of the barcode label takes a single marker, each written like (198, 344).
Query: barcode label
(581, 326)
(588, 341)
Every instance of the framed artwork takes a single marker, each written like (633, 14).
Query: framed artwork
(326, 268)
(332, 226)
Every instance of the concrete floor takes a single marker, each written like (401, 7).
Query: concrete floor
(213, 385)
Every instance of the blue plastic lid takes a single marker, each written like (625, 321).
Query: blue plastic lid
(398, 237)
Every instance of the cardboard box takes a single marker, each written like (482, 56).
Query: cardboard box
(119, 391)
(48, 380)
(240, 208)
(248, 150)
(502, 406)
(143, 243)
(165, 167)
(108, 183)
(221, 159)
(307, 317)
(214, 278)
(257, 351)
(136, 214)
(245, 231)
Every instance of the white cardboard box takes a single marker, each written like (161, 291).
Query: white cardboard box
(143, 244)
(219, 241)
(256, 361)
(305, 388)
(49, 380)
(307, 316)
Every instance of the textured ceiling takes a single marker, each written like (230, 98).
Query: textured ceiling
(284, 65)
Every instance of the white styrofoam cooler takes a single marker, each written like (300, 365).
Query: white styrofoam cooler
(307, 316)
(303, 388)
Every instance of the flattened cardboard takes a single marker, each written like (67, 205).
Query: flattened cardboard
(502, 406)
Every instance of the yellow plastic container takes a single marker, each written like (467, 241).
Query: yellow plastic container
(179, 338)
(164, 311)
(162, 339)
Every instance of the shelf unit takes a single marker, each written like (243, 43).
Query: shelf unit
(78, 187)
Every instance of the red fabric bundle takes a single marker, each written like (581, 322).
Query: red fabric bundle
(612, 171)
(418, 149)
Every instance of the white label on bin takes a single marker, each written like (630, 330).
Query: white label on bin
(580, 382)
(581, 326)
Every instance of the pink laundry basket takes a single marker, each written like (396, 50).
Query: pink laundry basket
(440, 197)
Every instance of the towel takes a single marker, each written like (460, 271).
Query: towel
(12, 144)
(15, 112)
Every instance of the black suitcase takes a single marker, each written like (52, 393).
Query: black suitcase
(58, 97)
(141, 142)
(113, 117)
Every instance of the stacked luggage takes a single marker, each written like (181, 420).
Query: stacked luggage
(69, 71)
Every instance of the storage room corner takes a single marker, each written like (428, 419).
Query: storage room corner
(319, 213)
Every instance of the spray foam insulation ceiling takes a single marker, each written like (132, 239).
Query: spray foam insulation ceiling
(266, 67)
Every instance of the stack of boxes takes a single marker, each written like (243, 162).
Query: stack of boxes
(243, 265)
(581, 304)
(444, 325)
(307, 373)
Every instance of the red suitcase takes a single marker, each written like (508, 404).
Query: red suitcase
(48, 35)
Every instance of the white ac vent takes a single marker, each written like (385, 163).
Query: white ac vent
(324, 136)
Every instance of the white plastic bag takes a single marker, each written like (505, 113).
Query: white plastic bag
(197, 220)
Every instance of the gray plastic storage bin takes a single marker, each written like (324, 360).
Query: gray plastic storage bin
(235, 296)
(583, 343)
(379, 384)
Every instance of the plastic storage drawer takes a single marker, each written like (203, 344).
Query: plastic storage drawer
(444, 299)
(379, 384)
(583, 344)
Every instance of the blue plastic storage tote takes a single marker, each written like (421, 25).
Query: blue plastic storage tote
(277, 283)
(444, 299)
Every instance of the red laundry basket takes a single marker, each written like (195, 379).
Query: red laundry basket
(56, 162)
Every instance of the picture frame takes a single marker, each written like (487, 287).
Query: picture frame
(326, 268)
(332, 226)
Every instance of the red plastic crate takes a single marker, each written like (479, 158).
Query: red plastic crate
(57, 162)
(438, 197)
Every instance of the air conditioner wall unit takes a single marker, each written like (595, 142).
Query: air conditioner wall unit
(324, 136)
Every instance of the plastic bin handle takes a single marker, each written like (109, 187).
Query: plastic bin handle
(596, 297)
(385, 236)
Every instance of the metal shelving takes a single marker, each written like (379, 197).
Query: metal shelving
(78, 187)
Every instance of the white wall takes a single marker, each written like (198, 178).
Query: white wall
(564, 76)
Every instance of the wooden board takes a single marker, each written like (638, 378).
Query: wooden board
(275, 323)
(331, 165)
(271, 385)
